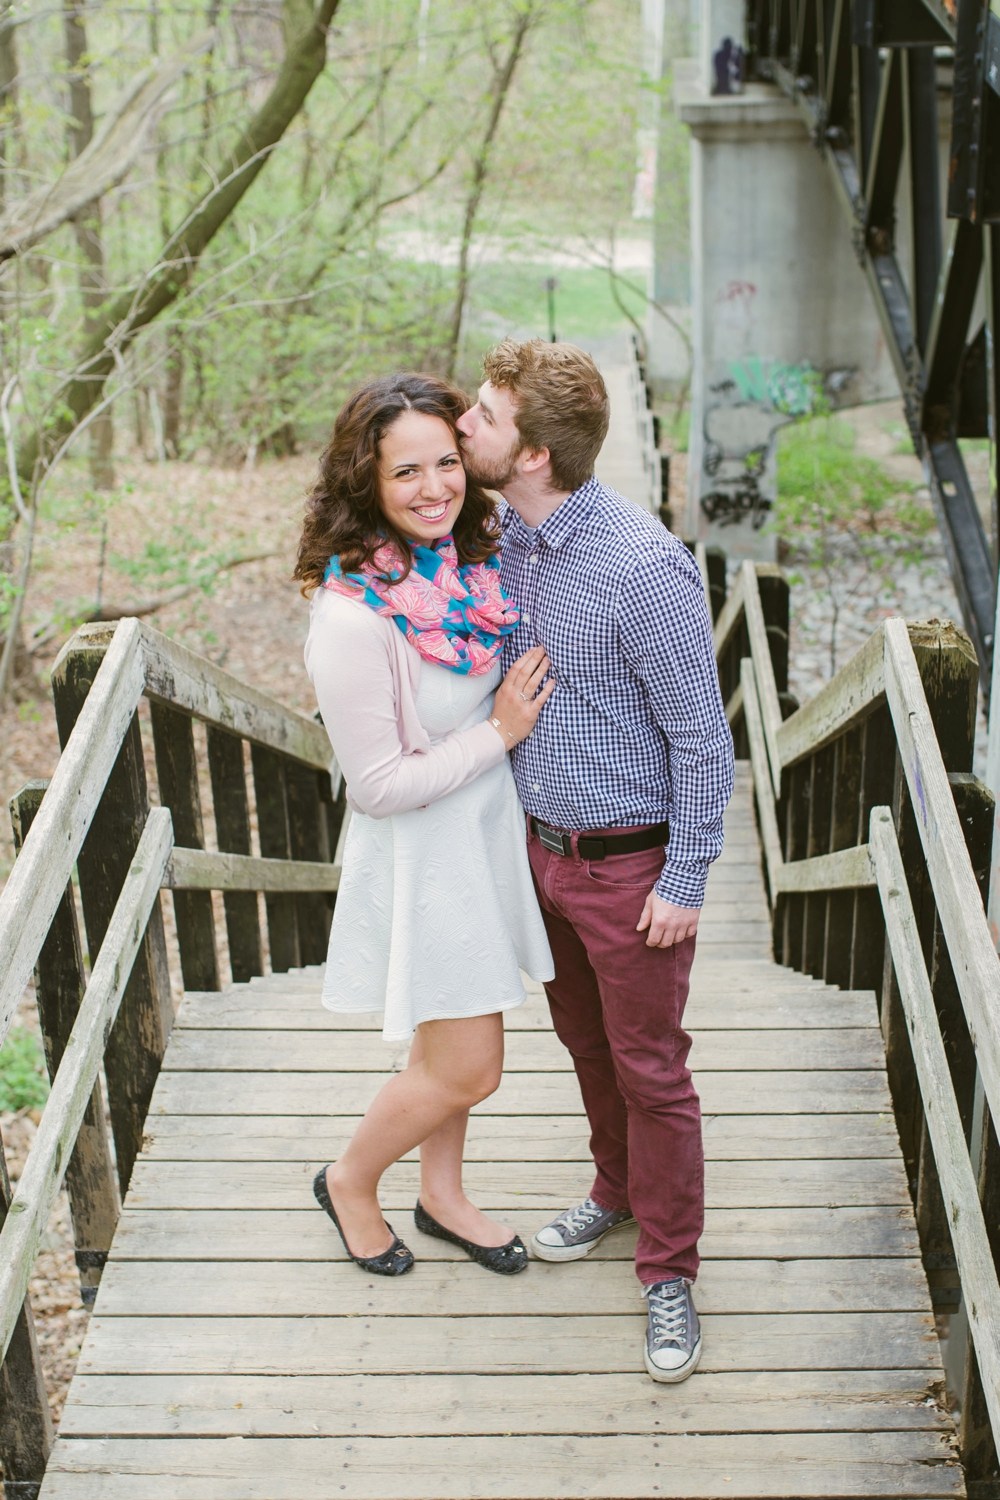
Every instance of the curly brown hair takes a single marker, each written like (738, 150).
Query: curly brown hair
(344, 516)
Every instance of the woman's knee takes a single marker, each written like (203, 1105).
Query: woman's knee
(474, 1081)
(465, 1058)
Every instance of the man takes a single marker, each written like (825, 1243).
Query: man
(625, 780)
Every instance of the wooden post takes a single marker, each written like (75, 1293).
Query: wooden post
(877, 775)
(845, 832)
(59, 985)
(272, 827)
(177, 774)
(796, 838)
(308, 840)
(26, 1435)
(139, 1037)
(334, 807)
(820, 815)
(772, 586)
(715, 561)
(232, 832)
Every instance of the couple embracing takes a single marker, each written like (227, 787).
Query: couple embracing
(524, 703)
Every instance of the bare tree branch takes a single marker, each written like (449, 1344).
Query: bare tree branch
(503, 77)
(102, 164)
(135, 309)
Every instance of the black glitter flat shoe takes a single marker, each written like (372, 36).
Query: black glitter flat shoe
(506, 1260)
(395, 1261)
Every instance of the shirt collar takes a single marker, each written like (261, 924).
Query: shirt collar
(559, 526)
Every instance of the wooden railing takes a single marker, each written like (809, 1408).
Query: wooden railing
(876, 849)
(94, 816)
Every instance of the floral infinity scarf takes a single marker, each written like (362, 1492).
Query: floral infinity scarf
(456, 615)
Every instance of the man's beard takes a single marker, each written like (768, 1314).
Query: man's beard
(493, 476)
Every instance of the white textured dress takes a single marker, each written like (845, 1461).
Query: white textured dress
(436, 911)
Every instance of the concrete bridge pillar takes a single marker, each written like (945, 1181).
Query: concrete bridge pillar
(782, 321)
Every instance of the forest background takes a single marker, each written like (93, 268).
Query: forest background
(215, 220)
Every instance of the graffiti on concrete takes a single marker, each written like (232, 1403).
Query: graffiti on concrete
(743, 416)
(727, 66)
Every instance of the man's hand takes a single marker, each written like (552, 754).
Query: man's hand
(667, 924)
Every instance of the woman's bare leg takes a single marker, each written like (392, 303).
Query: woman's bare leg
(461, 1064)
(441, 1190)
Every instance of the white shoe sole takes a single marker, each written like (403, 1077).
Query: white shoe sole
(673, 1377)
(574, 1252)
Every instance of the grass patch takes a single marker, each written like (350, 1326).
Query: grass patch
(23, 1080)
(826, 487)
(846, 523)
(512, 298)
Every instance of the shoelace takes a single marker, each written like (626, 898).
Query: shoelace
(582, 1216)
(668, 1314)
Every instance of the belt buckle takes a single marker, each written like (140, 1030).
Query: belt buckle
(557, 843)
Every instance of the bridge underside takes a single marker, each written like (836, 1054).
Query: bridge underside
(234, 1352)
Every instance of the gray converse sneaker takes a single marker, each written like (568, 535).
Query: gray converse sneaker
(575, 1233)
(673, 1333)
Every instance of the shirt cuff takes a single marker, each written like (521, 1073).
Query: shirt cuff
(683, 884)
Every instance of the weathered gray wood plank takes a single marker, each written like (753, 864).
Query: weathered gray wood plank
(512, 1345)
(325, 1289)
(807, 1466)
(432, 1405)
(740, 1234)
(292, 1052)
(711, 1007)
(545, 1185)
(519, 1094)
(319, 1138)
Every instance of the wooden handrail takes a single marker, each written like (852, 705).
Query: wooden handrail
(93, 814)
(953, 881)
(202, 870)
(878, 700)
(197, 686)
(40, 874)
(843, 701)
(74, 1082)
(951, 1153)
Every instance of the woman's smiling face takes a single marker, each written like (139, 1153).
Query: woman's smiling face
(421, 477)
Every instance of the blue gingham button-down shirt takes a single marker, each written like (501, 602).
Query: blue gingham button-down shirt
(635, 731)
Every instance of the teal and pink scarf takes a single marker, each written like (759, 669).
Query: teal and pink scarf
(456, 615)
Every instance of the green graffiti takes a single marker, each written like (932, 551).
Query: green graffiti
(793, 390)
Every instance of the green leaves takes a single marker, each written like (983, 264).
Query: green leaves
(23, 1081)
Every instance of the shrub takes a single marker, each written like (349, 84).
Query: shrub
(23, 1080)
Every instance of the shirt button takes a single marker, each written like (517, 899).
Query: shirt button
(533, 558)
(527, 619)
(535, 787)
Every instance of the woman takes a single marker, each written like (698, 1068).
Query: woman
(436, 911)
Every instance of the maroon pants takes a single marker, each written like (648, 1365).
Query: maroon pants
(617, 1007)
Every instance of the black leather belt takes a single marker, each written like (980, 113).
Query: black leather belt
(600, 848)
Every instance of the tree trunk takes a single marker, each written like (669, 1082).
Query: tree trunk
(93, 284)
(502, 79)
(172, 403)
(137, 307)
(8, 101)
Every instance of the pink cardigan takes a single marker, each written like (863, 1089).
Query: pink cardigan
(366, 676)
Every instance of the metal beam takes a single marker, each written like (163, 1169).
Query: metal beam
(920, 99)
